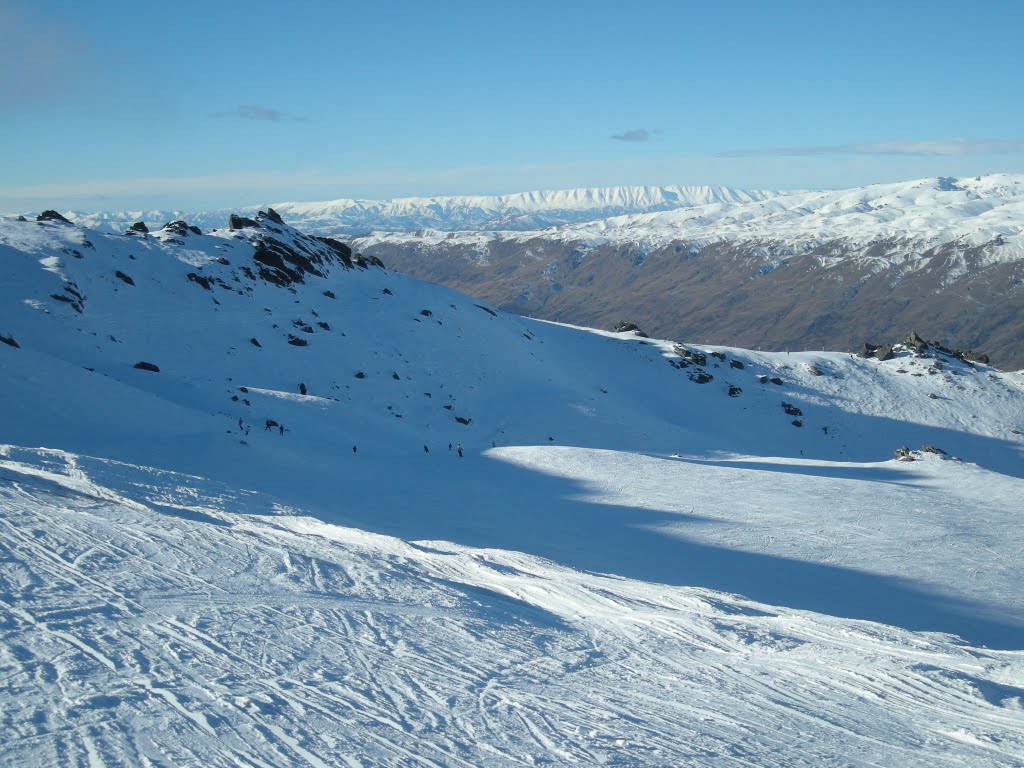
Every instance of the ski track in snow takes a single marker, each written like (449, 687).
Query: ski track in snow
(130, 636)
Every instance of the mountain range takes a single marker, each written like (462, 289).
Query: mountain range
(775, 270)
(524, 211)
(264, 501)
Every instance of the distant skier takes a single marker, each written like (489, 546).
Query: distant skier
(353, 449)
(302, 389)
(281, 427)
(449, 446)
(458, 450)
(425, 449)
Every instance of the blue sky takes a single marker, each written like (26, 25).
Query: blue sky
(137, 105)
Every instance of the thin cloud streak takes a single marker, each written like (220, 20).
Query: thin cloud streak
(633, 135)
(944, 148)
(258, 112)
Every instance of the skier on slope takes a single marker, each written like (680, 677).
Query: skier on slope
(458, 449)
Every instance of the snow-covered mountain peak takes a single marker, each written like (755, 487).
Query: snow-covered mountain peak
(983, 211)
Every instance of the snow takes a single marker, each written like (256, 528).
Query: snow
(915, 216)
(526, 210)
(626, 567)
(912, 216)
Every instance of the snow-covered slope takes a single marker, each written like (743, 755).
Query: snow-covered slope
(522, 211)
(268, 551)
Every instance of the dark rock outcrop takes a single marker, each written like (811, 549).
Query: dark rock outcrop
(142, 365)
(241, 222)
(916, 345)
(365, 262)
(625, 327)
(697, 358)
(51, 216)
(179, 227)
(71, 296)
(198, 280)
(341, 250)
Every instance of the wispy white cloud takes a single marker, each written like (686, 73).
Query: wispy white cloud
(941, 148)
(258, 112)
(634, 135)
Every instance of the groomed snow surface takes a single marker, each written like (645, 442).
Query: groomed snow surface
(627, 567)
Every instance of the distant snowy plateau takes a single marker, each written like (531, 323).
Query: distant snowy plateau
(264, 502)
(775, 270)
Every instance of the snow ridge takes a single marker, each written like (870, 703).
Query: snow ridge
(527, 210)
(983, 211)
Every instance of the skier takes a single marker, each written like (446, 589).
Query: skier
(425, 449)
(458, 449)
